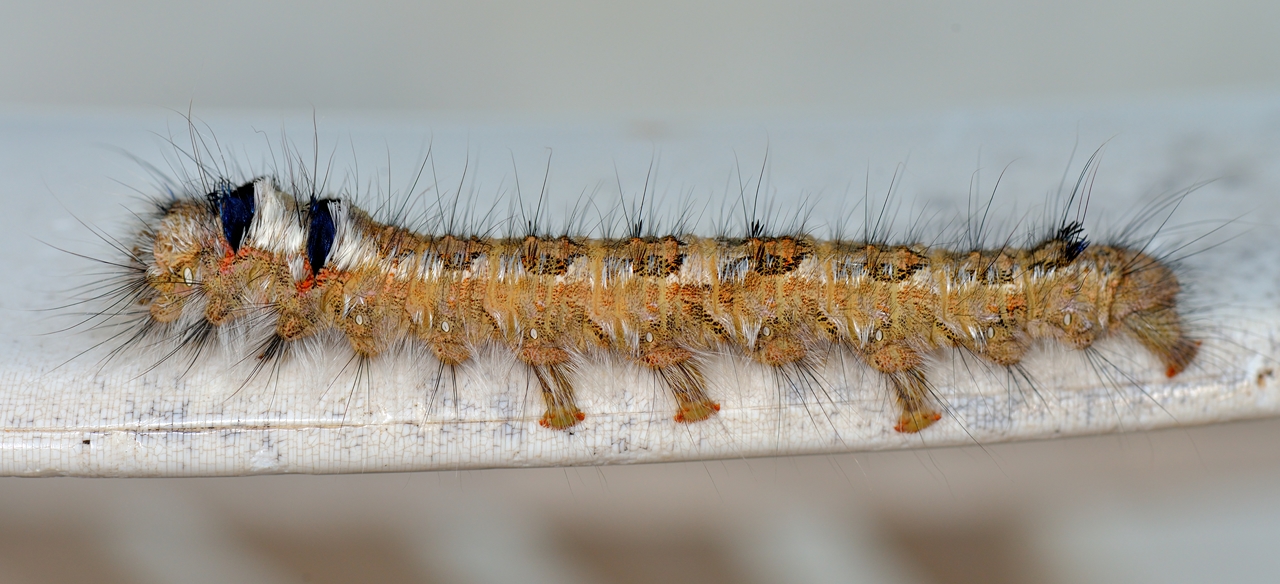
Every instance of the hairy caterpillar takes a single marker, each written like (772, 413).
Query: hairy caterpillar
(295, 266)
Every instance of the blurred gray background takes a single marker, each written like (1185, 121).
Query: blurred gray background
(626, 57)
(1189, 505)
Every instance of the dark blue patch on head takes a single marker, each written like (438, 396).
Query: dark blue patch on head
(236, 209)
(319, 233)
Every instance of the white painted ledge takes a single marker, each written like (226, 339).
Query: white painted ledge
(122, 419)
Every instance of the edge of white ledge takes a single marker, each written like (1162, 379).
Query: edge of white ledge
(162, 429)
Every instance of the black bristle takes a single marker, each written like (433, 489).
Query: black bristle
(1072, 234)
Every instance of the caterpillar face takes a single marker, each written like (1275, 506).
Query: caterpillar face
(323, 265)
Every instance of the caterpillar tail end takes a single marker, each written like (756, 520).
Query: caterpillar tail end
(1145, 306)
(1177, 360)
(1160, 331)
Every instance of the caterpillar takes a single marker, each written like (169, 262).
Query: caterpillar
(306, 265)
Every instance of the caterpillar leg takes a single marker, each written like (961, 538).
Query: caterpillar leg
(912, 392)
(557, 394)
(684, 379)
(549, 366)
(901, 366)
(689, 388)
